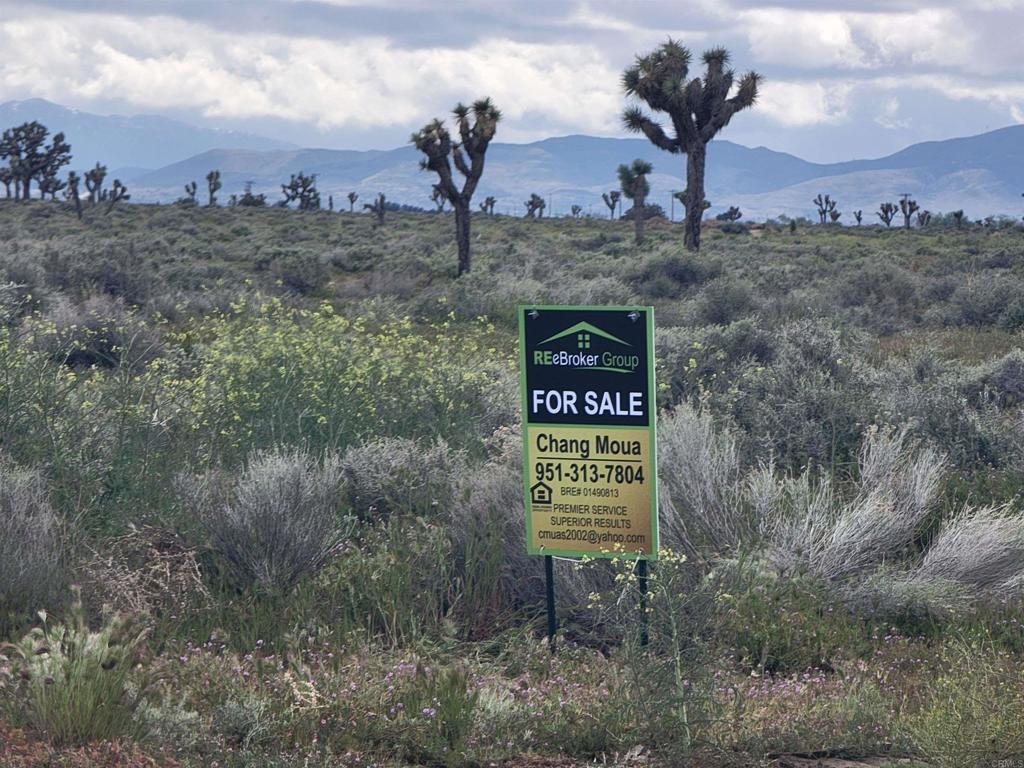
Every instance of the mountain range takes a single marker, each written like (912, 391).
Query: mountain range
(981, 174)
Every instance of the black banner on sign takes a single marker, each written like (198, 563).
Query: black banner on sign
(587, 365)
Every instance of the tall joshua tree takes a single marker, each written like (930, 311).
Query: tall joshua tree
(7, 178)
(611, 199)
(534, 206)
(635, 186)
(94, 182)
(30, 157)
(826, 205)
(117, 193)
(377, 208)
(434, 141)
(352, 197)
(887, 212)
(487, 206)
(213, 185)
(907, 208)
(858, 215)
(72, 193)
(698, 108)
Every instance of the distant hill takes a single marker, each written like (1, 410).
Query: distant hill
(982, 174)
(129, 145)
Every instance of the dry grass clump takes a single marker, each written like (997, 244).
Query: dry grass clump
(148, 572)
(31, 562)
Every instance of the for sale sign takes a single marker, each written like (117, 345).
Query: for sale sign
(587, 383)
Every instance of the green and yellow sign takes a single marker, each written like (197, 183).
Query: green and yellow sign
(589, 462)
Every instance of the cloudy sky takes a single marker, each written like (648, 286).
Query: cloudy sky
(857, 78)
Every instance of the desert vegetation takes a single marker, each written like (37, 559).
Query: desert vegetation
(261, 497)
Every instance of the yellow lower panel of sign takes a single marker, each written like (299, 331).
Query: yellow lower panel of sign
(591, 491)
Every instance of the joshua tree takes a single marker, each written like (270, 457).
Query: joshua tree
(576, 210)
(467, 154)
(907, 208)
(887, 212)
(377, 207)
(958, 218)
(438, 198)
(924, 218)
(249, 200)
(330, 202)
(698, 108)
(633, 179)
(352, 197)
(535, 206)
(94, 182)
(72, 193)
(50, 185)
(190, 190)
(733, 214)
(825, 206)
(487, 206)
(213, 185)
(858, 215)
(611, 199)
(302, 189)
(30, 157)
(6, 178)
(117, 193)
(834, 216)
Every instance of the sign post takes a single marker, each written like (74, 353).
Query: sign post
(589, 448)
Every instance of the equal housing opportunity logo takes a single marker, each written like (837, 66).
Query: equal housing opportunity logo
(582, 341)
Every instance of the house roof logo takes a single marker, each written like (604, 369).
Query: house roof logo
(583, 332)
(540, 494)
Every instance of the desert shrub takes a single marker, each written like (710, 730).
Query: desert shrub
(694, 361)
(1001, 380)
(119, 273)
(974, 710)
(398, 476)
(79, 686)
(734, 228)
(393, 584)
(667, 275)
(722, 301)
(985, 297)
(980, 551)
(808, 405)
(31, 562)
(835, 539)
(703, 511)
(781, 625)
(247, 721)
(300, 271)
(277, 522)
(98, 331)
(947, 406)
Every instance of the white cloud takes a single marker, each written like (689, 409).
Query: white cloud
(852, 40)
(801, 104)
(166, 63)
(802, 38)
(889, 116)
